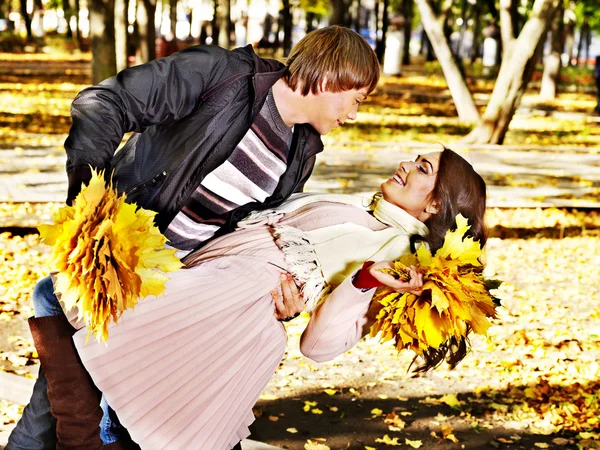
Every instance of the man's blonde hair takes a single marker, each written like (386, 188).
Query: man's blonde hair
(336, 55)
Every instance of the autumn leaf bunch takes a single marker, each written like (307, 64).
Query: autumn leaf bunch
(455, 297)
(107, 253)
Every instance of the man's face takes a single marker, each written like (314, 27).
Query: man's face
(329, 110)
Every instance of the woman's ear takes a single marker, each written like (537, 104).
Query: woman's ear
(432, 208)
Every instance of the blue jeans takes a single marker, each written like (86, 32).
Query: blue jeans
(37, 428)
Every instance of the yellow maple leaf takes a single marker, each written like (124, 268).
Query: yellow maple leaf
(308, 405)
(108, 255)
(376, 412)
(314, 445)
(448, 433)
(388, 441)
(455, 298)
(427, 323)
(413, 444)
(457, 246)
(451, 400)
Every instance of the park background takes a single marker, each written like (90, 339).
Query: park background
(510, 84)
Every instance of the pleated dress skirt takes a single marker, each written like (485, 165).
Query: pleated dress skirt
(183, 370)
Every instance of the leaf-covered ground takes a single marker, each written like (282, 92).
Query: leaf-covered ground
(533, 382)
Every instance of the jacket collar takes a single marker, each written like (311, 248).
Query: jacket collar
(268, 72)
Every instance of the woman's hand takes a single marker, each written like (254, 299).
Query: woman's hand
(414, 285)
(292, 303)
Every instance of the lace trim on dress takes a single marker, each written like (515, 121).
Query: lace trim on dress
(303, 264)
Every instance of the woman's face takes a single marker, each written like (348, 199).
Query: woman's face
(411, 186)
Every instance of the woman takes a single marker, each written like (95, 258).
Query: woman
(183, 370)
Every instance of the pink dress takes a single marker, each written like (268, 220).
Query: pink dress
(184, 370)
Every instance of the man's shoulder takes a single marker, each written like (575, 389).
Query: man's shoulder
(212, 51)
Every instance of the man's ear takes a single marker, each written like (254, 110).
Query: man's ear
(432, 208)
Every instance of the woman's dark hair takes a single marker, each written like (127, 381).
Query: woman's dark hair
(458, 190)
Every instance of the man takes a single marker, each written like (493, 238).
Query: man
(218, 133)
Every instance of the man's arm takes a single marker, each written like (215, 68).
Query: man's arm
(160, 92)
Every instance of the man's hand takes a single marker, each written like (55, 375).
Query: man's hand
(414, 285)
(292, 303)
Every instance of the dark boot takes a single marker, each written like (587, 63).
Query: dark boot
(125, 444)
(74, 399)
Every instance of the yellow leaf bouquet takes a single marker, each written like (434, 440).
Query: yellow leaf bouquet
(107, 253)
(455, 299)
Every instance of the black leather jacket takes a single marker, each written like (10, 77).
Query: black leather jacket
(188, 111)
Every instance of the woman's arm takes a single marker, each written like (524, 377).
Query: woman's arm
(347, 314)
(338, 323)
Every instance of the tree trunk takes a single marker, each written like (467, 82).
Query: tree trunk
(552, 63)
(337, 10)
(515, 74)
(467, 112)
(385, 21)
(226, 25)
(102, 33)
(77, 25)
(26, 18)
(146, 9)
(288, 27)
(463, 29)
(173, 18)
(588, 43)
(310, 22)
(582, 35)
(121, 34)
(569, 42)
(67, 12)
(477, 42)
(355, 15)
(570, 24)
(215, 23)
(38, 10)
(507, 29)
(408, 12)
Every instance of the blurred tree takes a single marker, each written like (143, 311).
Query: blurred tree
(215, 26)
(314, 10)
(121, 25)
(173, 17)
(26, 18)
(102, 33)
(477, 17)
(518, 62)
(288, 26)
(570, 25)
(433, 23)
(337, 13)
(382, 27)
(552, 62)
(146, 49)
(408, 13)
(584, 33)
(587, 15)
(68, 12)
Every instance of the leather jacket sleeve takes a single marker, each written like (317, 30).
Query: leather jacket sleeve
(160, 92)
